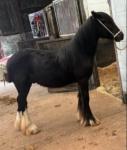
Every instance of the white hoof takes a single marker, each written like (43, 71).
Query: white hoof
(32, 129)
(84, 122)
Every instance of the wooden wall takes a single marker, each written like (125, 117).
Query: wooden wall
(10, 19)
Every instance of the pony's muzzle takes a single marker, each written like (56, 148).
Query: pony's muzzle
(119, 37)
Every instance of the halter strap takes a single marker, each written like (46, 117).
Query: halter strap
(117, 33)
(114, 35)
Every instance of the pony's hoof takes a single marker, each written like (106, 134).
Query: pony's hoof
(93, 122)
(82, 121)
(97, 122)
(90, 122)
(32, 129)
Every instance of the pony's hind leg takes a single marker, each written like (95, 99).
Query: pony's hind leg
(23, 121)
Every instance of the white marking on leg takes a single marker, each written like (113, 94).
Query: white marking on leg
(82, 122)
(27, 127)
(79, 117)
(25, 121)
(94, 123)
(18, 121)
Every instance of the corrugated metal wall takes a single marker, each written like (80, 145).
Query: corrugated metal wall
(119, 14)
(66, 12)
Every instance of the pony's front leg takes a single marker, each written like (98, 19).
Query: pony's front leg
(79, 108)
(86, 116)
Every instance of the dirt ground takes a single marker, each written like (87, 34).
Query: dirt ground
(55, 114)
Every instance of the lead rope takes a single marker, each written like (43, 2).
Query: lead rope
(113, 35)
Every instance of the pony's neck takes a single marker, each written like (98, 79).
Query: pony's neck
(87, 37)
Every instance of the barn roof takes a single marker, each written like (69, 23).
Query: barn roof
(29, 6)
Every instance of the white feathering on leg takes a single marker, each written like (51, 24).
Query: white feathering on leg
(27, 127)
(25, 121)
(27, 118)
(79, 116)
(18, 121)
(23, 124)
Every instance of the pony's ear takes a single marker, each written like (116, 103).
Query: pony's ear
(94, 14)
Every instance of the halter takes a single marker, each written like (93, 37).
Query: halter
(114, 35)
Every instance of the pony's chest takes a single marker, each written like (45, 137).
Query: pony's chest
(83, 68)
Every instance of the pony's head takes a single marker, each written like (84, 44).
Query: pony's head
(106, 27)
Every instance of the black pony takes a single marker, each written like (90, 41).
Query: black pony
(72, 63)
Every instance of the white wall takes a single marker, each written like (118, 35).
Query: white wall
(96, 5)
(9, 44)
(119, 15)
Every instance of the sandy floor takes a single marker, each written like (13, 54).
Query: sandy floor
(110, 80)
(55, 114)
